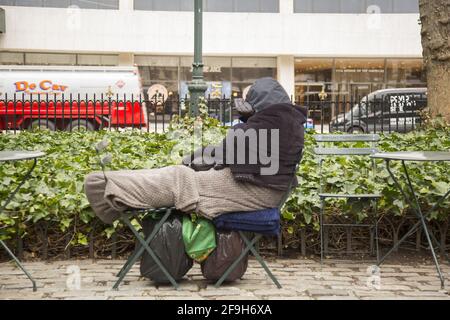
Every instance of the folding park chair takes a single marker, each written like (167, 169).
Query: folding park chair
(324, 152)
(144, 244)
(251, 243)
(125, 217)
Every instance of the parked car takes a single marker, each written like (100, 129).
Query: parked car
(387, 110)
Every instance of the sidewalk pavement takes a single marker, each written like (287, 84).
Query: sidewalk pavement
(302, 279)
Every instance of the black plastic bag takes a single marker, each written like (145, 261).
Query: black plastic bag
(168, 246)
(229, 247)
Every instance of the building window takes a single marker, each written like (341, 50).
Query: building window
(385, 6)
(405, 6)
(246, 70)
(32, 58)
(352, 6)
(242, 6)
(12, 58)
(50, 59)
(216, 72)
(97, 60)
(219, 5)
(356, 6)
(224, 76)
(405, 73)
(353, 78)
(312, 76)
(209, 5)
(164, 5)
(83, 4)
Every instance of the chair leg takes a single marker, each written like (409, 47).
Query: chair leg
(19, 264)
(144, 247)
(235, 263)
(438, 246)
(280, 245)
(130, 258)
(322, 204)
(259, 258)
(377, 249)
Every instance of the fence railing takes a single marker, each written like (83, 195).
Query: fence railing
(392, 113)
(389, 113)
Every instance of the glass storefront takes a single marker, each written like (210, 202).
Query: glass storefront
(352, 78)
(209, 5)
(225, 76)
(312, 78)
(316, 79)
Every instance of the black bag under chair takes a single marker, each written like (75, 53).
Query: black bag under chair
(168, 246)
(230, 246)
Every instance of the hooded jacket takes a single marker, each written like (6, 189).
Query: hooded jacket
(265, 92)
(273, 111)
(289, 120)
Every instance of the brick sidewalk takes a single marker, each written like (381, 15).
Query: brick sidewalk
(301, 279)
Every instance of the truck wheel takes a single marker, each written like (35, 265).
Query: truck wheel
(357, 130)
(42, 124)
(80, 125)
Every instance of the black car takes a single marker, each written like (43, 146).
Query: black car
(387, 110)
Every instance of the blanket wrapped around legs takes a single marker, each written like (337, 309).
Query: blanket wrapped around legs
(209, 193)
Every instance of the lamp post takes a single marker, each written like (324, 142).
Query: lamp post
(197, 86)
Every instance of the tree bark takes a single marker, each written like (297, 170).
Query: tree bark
(435, 21)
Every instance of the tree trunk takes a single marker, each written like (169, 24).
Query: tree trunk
(435, 21)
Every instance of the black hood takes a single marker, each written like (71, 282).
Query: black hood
(303, 111)
(265, 92)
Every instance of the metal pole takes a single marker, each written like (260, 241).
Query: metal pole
(197, 86)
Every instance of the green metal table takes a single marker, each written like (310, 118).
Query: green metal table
(9, 156)
(405, 156)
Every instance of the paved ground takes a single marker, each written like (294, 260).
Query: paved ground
(301, 279)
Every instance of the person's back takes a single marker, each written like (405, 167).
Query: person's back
(284, 155)
(278, 125)
(254, 166)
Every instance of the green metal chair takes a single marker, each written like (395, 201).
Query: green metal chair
(323, 153)
(17, 156)
(252, 244)
(144, 243)
(19, 264)
(125, 217)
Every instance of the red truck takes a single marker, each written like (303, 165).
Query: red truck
(70, 98)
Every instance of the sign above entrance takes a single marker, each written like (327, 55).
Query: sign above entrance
(211, 69)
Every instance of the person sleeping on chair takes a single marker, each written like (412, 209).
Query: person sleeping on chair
(250, 170)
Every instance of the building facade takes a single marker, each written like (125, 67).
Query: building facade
(320, 48)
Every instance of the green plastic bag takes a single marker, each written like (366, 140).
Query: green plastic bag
(199, 237)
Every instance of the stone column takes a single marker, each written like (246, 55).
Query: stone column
(126, 5)
(286, 6)
(286, 73)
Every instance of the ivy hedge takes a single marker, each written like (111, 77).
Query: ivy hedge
(54, 194)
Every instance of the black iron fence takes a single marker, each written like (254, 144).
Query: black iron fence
(395, 112)
(389, 113)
